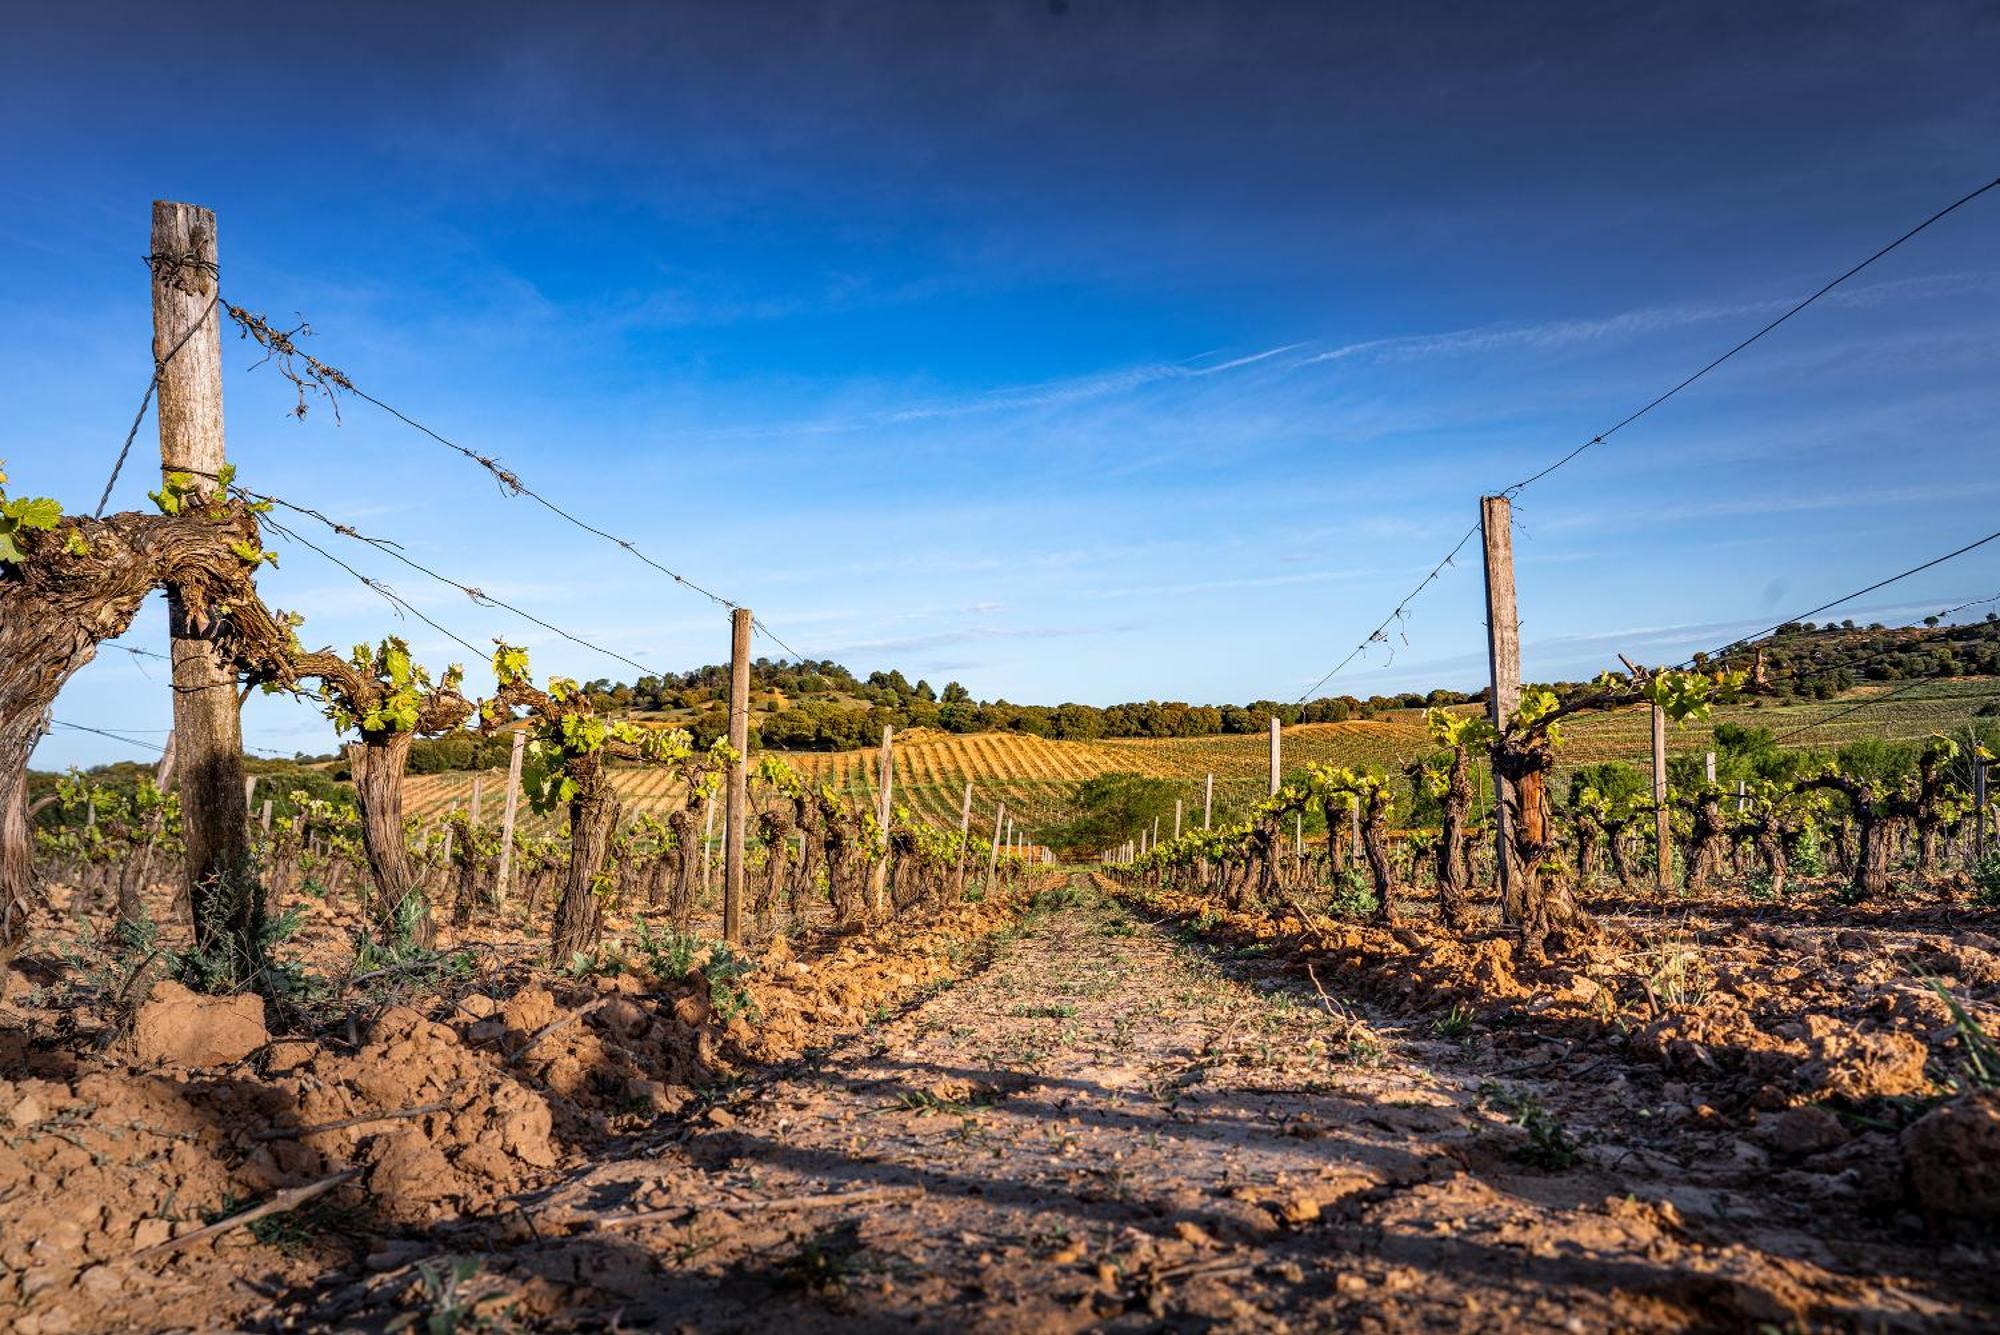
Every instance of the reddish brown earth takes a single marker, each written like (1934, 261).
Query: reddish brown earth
(1116, 1113)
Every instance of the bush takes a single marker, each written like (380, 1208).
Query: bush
(1986, 881)
(1353, 893)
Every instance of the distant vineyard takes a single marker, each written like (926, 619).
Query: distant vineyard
(1035, 776)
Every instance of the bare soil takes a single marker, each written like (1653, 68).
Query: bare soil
(1114, 1109)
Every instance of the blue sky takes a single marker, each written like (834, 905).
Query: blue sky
(1136, 351)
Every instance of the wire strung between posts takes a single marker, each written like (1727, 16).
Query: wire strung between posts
(1402, 608)
(394, 599)
(116, 737)
(1381, 632)
(146, 401)
(477, 595)
(329, 380)
(1869, 703)
(1602, 436)
(1878, 584)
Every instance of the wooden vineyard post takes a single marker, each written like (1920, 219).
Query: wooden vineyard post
(964, 832)
(1663, 844)
(508, 808)
(1208, 800)
(1156, 832)
(878, 880)
(1177, 820)
(1503, 649)
(265, 821)
(477, 782)
(993, 857)
(1708, 767)
(738, 793)
(163, 773)
(208, 724)
(1979, 768)
(1277, 771)
(1298, 839)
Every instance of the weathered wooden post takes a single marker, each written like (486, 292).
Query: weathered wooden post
(478, 782)
(1979, 769)
(266, 819)
(163, 773)
(1503, 649)
(1208, 800)
(1177, 820)
(1277, 770)
(738, 795)
(508, 809)
(1663, 833)
(878, 880)
(964, 835)
(1708, 766)
(993, 857)
(208, 725)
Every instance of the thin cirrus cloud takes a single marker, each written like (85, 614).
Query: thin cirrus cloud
(1469, 341)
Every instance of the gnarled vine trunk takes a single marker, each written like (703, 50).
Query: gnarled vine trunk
(1548, 913)
(1708, 843)
(1454, 856)
(399, 911)
(593, 813)
(78, 585)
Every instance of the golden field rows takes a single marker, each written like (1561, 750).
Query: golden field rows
(1035, 776)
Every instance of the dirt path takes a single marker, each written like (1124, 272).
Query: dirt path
(1112, 1126)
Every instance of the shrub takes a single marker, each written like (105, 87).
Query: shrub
(1986, 881)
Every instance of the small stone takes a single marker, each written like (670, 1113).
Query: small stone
(1798, 1132)
(1189, 1231)
(1299, 1209)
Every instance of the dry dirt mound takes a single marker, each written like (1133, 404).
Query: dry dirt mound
(445, 1114)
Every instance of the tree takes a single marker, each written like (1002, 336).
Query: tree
(1108, 809)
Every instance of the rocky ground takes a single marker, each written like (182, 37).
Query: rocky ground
(1116, 1109)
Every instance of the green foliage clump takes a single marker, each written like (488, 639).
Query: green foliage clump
(1108, 809)
(1986, 881)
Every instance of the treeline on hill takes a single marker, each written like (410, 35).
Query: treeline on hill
(1805, 661)
(821, 706)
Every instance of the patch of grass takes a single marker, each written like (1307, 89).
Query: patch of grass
(1549, 1144)
(440, 1281)
(1679, 977)
(1986, 881)
(1980, 1060)
(1065, 1011)
(1455, 1024)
